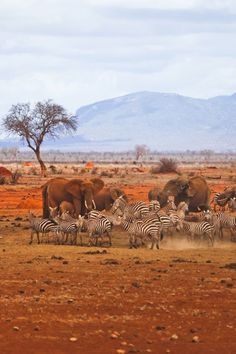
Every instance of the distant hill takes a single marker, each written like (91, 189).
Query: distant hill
(161, 121)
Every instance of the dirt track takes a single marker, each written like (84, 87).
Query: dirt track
(59, 299)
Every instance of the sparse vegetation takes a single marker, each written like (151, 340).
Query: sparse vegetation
(167, 165)
(16, 175)
(32, 125)
(2, 180)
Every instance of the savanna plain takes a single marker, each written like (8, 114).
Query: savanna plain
(58, 299)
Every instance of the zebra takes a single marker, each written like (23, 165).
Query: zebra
(96, 228)
(154, 205)
(181, 211)
(219, 201)
(130, 212)
(149, 229)
(69, 227)
(225, 221)
(170, 207)
(39, 225)
(202, 228)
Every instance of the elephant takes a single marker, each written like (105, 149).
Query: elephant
(158, 194)
(76, 191)
(195, 191)
(105, 198)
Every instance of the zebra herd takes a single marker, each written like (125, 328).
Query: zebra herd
(144, 224)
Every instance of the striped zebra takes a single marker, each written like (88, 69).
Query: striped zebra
(225, 221)
(130, 212)
(68, 228)
(220, 201)
(154, 205)
(180, 211)
(170, 207)
(39, 225)
(145, 230)
(97, 228)
(199, 229)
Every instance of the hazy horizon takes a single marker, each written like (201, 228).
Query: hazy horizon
(81, 52)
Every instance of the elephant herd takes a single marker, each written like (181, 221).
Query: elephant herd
(85, 195)
(82, 195)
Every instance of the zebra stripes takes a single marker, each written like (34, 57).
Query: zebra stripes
(225, 221)
(39, 225)
(97, 228)
(68, 228)
(220, 201)
(145, 230)
(199, 229)
(130, 211)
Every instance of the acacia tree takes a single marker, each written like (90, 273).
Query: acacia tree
(140, 151)
(32, 125)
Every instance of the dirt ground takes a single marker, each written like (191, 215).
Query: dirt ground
(73, 299)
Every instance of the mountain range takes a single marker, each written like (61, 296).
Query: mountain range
(162, 121)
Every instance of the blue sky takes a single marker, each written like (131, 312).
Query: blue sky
(77, 52)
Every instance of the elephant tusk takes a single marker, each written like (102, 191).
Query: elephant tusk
(94, 204)
(86, 205)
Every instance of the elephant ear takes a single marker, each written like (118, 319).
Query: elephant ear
(74, 187)
(97, 184)
(171, 188)
(114, 193)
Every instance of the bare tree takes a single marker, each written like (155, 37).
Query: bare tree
(34, 124)
(140, 151)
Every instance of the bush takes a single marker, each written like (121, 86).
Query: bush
(15, 177)
(155, 169)
(34, 171)
(167, 165)
(2, 180)
(94, 171)
(106, 174)
(53, 169)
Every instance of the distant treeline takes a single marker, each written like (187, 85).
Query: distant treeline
(53, 156)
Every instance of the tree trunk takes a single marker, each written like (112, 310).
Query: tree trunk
(42, 165)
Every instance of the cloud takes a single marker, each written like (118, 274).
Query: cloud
(78, 52)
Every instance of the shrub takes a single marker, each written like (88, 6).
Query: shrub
(53, 169)
(75, 169)
(106, 174)
(2, 180)
(167, 165)
(155, 169)
(15, 177)
(33, 171)
(94, 171)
